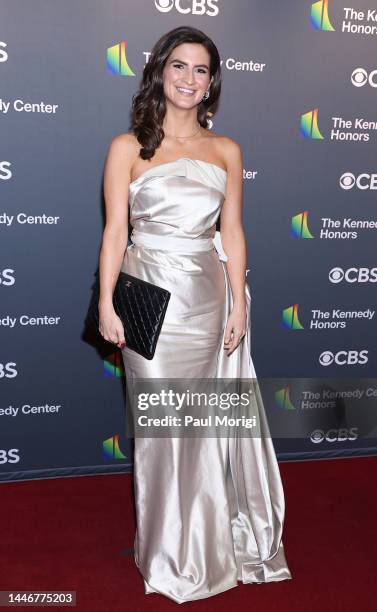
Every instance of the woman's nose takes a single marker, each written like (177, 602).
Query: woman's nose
(189, 77)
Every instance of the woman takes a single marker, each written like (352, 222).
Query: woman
(209, 510)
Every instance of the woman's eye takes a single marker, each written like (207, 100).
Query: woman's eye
(202, 70)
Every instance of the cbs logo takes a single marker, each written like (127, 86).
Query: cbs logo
(3, 53)
(193, 7)
(364, 181)
(343, 358)
(333, 435)
(5, 172)
(8, 370)
(9, 456)
(353, 275)
(360, 77)
(7, 277)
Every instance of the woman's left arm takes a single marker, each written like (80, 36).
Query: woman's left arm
(234, 244)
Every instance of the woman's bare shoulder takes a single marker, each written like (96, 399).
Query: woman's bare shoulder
(227, 149)
(228, 144)
(126, 143)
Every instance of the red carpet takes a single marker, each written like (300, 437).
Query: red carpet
(77, 534)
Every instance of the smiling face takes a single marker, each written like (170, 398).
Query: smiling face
(186, 75)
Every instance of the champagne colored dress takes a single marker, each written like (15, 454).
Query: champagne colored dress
(210, 511)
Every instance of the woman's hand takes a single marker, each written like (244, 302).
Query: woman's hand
(235, 328)
(111, 326)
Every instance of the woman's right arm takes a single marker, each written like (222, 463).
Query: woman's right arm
(117, 174)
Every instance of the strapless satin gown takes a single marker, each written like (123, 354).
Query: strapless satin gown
(209, 511)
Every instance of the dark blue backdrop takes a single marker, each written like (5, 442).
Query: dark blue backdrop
(299, 90)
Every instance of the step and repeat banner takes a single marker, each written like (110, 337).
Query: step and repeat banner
(299, 95)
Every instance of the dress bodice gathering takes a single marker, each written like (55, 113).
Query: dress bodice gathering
(180, 198)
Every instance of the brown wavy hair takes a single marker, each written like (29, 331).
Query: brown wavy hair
(148, 103)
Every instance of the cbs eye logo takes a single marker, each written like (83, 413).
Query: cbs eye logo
(360, 77)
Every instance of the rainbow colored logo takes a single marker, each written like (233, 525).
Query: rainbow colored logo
(290, 318)
(309, 125)
(299, 226)
(282, 399)
(111, 450)
(113, 365)
(117, 60)
(319, 16)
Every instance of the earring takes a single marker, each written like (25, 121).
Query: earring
(206, 95)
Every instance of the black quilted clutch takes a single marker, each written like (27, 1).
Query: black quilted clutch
(140, 305)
